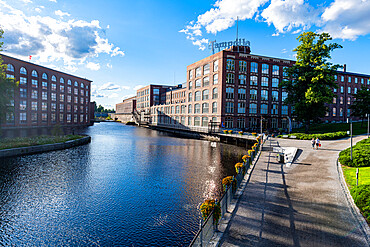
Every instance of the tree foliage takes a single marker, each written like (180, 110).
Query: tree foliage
(361, 106)
(7, 86)
(101, 109)
(311, 80)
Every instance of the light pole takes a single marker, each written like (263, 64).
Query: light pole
(350, 122)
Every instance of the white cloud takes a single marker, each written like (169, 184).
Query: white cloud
(61, 13)
(26, 1)
(114, 95)
(72, 42)
(127, 96)
(109, 65)
(93, 66)
(53, 1)
(110, 87)
(138, 87)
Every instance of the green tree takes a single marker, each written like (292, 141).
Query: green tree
(311, 80)
(361, 106)
(7, 87)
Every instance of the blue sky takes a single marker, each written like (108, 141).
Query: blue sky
(121, 45)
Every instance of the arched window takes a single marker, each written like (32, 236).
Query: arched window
(61, 80)
(34, 73)
(10, 67)
(44, 76)
(205, 108)
(69, 82)
(197, 96)
(23, 71)
(82, 85)
(190, 97)
(76, 84)
(205, 94)
(53, 78)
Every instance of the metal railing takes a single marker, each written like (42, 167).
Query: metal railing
(209, 226)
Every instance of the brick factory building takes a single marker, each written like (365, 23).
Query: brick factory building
(46, 97)
(236, 89)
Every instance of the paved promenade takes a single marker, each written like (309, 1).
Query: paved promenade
(303, 205)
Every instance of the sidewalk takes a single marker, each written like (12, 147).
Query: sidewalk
(303, 205)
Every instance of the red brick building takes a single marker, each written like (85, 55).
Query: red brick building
(46, 97)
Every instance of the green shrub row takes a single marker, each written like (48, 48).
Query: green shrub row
(325, 136)
(360, 155)
(361, 196)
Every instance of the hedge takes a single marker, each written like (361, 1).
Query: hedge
(360, 155)
(361, 196)
(326, 136)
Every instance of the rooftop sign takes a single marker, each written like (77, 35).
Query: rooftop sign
(225, 45)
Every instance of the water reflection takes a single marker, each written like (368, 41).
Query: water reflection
(130, 186)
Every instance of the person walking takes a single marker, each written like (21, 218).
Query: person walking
(317, 143)
(313, 142)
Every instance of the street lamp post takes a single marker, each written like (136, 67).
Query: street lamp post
(350, 122)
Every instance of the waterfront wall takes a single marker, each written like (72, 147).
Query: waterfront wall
(43, 148)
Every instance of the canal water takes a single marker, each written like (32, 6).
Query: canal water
(129, 187)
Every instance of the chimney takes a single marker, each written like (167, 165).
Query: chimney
(344, 68)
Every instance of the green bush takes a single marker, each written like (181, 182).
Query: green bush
(325, 136)
(360, 155)
(361, 196)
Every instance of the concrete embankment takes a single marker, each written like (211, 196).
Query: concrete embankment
(43, 148)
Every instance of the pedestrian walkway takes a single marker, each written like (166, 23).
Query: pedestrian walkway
(301, 205)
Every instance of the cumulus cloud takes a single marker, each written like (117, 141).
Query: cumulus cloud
(50, 40)
(53, 1)
(109, 86)
(96, 94)
(346, 19)
(93, 66)
(61, 13)
(109, 65)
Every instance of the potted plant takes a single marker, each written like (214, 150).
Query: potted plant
(225, 131)
(245, 158)
(230, 131)
(240, 167)
(240, 133)
(254, 134)
(209, 206)
(227, 181)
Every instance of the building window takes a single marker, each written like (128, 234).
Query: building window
(284, 96)
(253, 94)
(197, 121)
(230, 78)
(189, 109)
(254, 67)
(265, 69)
(34, 94)
(348, 112)
(61, 98)
(34, 73)
(362, 80)
(242, 79)
(341, 100)
(230, 64)
(253, 80)
(205, 108)
(190, 74)
(75, 91)
(23, 92)
(197, 108)
(334, 100)
(23, 105)
(242, 93)
(275, 82)
(214, 93)
(215, 66)
(61, 89)
(69, 82)
(214, 107)
(252, 108)
(274, 109)
(53, 78)
(349, 89)
(177, 109)
(69, 90)
(189, 121)
(44, 76)
(215, 79)
(205, 94)
(53, 106)
(76, 85)
(44, 106)
(34, 106)
(356, 80)
(242, 66)
(23, 71)
(265, 82)
(241, 107)
(341, 112)
(190, 98)
(206, 69)
(10, 67)
(204, 121)
(275, 96)
(198, 83)
(349, 79)
(334, 112)
(61, 80)
(53, 86)
(44, 85)
(229, 107)
(198, 72)
(264, 109)
(264, 95)
(349, 100)
(197, 96)
(229, 93)
(335, 77)
(53, 96)
(284, 110)
(23, 81)
(34, 83)
(229, 122)
(206, 81)
(183, 109)
(355, 90)
(342, 78)
(285, 73)
(275, 70)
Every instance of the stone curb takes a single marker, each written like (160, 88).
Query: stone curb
(43, 148)
(354, 209)
(224, 222)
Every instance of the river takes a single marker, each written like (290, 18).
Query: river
(130, 186)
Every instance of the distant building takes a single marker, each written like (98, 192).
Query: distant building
(125, 110)
(46, 97)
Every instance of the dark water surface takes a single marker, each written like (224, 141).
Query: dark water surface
(129, 187)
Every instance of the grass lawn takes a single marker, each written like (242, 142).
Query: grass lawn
(350, 175)
(335, 127)
(7, 143)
